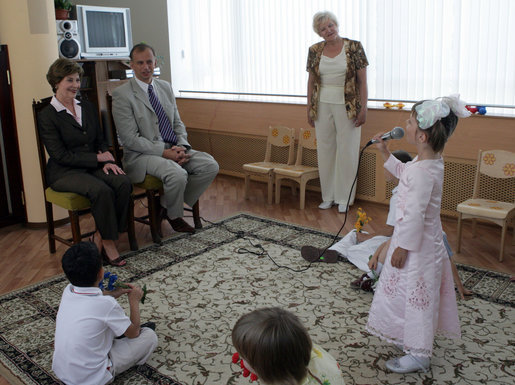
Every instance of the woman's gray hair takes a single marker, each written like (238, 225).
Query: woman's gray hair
(322, 16)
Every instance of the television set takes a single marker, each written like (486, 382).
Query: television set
(104, 32)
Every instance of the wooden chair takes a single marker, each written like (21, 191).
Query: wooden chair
(303, 170)
(151, 187)
(280, 151)
(494, 179)
(75, 204)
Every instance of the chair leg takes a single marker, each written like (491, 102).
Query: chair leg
(131, 232)
(153, 216)
(196, 216)
(293, 187)
(270, 196)
(50, 226)
(302, 189)
(503, 237)
(458, 246)
(74, 220)
(247, 183)
(277, 190)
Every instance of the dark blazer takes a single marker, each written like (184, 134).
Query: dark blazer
(71, 148)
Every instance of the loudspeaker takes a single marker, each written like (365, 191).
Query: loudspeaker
(68, 39)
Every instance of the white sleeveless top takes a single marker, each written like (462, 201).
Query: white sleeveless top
(332, 74)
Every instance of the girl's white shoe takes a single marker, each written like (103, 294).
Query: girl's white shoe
(325, 205)
(408, 364)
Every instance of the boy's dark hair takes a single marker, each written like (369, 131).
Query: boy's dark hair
(81, 264)
(439, 132)
(402, 155)
(275, 343)
(140, 47)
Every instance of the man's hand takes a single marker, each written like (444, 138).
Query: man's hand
(105, 157)
(177, 154)
(399, 257)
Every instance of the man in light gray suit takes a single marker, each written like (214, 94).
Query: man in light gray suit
(155, 140)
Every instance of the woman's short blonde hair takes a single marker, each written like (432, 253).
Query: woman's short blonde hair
(60, 69)
(321, 17)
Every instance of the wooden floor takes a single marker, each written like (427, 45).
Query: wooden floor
(25, 258)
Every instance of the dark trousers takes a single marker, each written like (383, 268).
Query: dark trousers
(109, 196)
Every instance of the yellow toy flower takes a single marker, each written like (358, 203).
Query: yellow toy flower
(307, 134)
(361, 220)
(275, 132)
(286, 139)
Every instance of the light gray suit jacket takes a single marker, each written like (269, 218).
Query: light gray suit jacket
(138, 126)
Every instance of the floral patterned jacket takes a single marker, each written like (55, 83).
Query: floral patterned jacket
(356, 59)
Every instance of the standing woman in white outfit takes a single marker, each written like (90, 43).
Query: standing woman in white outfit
(337, 107)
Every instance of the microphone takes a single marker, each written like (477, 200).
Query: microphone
(396, 133)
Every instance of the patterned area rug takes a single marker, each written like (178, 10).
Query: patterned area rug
(200, 284)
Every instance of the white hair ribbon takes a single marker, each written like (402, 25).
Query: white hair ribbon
(431, 111)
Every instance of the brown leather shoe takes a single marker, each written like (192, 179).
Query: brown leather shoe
(180, 225)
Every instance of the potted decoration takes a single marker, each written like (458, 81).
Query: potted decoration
(62, 9)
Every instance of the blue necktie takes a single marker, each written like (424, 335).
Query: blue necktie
(165, 128)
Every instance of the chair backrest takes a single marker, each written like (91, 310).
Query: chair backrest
(306, 152)
(495, 175)
(112, 133)
(280, 144)
(37, 106)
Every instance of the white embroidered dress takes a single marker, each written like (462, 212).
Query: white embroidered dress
(416, 302)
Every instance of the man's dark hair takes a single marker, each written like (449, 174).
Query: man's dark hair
(140, 47)
(81, 264)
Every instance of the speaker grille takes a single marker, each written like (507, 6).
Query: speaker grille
(367, 176)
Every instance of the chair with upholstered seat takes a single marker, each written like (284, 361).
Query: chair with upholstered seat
(151, 187)
(304, 169)
(75, 204)
(493, 198)
(280, 151)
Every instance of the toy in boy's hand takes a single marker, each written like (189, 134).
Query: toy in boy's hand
(113, 283)
(246, 372)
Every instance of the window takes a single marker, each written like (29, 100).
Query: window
(416, 48)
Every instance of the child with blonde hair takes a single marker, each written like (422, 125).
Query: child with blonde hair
(415, 296)
(275, 347)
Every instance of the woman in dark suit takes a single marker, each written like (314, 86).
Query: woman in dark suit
(79, 158)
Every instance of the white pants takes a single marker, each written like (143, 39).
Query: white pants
(127, 352)
(358, 253)
(338, 152)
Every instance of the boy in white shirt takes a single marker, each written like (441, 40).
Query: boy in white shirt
(86, 348)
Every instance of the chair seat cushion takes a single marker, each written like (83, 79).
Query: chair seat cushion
(486, 208)
(67, 200)
(150, 183)
(261, 167)
(296, 171)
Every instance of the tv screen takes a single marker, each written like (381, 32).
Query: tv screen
(104, 31)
